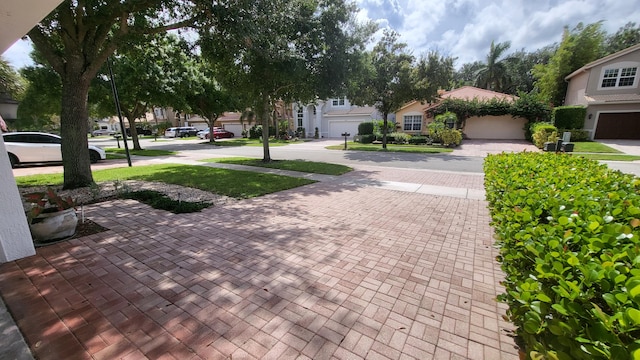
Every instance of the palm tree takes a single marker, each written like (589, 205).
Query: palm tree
(493, 75)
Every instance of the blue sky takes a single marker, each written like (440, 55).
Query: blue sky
(465, 28)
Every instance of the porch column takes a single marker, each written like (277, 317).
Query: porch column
(15, 237)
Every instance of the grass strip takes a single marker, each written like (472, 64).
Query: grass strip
(232, 183)
(292, 165)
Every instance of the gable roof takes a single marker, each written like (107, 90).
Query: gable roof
(604, 60)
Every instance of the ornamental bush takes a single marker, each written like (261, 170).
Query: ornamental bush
(451, 137)
(399, 138)
(576, 134)
(365, 128)
(419, 140)
(542, 133)
(568, 231)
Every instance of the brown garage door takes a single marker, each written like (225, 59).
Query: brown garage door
(618, 126)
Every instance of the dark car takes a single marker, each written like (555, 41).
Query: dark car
(139, 131)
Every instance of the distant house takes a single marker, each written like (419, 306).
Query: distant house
(412, 118)
(332, 117)
(608, 87)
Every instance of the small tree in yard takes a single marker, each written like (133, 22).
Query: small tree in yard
(208, 98)
(388, 80)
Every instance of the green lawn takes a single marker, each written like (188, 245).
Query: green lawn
(247, 142)
(233, 183)
(592, 147)
(294, 165)
(428, 149)
(142, 152)
(610, 157)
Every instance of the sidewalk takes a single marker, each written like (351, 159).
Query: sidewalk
(379, 263)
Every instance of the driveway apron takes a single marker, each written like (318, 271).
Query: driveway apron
(345, 268)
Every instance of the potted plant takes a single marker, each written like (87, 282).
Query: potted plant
(52, 216)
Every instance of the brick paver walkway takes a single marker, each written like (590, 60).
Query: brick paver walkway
(329, 270)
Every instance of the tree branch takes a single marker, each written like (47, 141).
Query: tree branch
(46, 49)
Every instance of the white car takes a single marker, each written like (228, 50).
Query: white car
(101, 132)
(37, 147)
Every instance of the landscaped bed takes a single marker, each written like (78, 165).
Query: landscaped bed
(568, 230)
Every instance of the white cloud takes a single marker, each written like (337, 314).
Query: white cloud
(465, 28)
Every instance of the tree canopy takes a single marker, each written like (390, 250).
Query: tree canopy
(77, 38)
(493, 75)
(289, 50)
(578, 47)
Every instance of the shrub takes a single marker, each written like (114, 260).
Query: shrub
(542, 133)
(451, 137)
(255, 132)
(365, 128)
(419, 140)
(301, 133)
(569, 117)
(576, 134)
(367, 139)
(567, 229)
(400, 138)
(158, 200)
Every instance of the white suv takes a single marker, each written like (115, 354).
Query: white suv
(37, 147)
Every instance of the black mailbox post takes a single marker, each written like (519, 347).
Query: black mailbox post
(345, 134)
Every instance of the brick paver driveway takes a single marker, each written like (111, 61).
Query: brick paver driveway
(330, 270)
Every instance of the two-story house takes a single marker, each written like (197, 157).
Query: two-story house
(332, 117)
(608, 87)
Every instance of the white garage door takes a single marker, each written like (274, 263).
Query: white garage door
(337, 128)
(495, 127)
(236, 129)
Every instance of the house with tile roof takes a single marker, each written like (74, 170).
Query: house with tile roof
(608, 88)
(413, 117)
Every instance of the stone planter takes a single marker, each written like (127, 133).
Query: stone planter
(53, 226)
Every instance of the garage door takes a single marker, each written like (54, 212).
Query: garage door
(336, 128)
(236, 129)
(618, 126)
(495, 128)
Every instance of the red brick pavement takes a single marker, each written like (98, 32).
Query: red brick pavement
(318, 272)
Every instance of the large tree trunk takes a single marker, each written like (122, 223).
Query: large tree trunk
(74, 129)
(265, 129)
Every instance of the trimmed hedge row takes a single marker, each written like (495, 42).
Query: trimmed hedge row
(568, 230)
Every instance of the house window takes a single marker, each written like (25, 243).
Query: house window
(622, 77)
(412, 122)
(300, 117)
(338, 102)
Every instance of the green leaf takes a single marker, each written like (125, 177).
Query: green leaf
(559, 308)
(634, 315)
(543, 297)
(573, 261)
(593, 225)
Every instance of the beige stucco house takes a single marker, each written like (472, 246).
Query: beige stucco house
(412, 118)
(608, 87)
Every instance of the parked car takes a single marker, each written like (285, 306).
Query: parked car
(140, 131)
(101, 132)
(182, 131)
(37, 147)
(218, 133)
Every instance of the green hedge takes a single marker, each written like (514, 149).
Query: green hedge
(365, 128)
(569, 117)
(568, 232)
